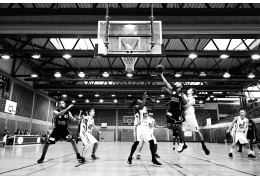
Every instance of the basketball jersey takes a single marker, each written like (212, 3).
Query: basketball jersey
(83, 127)
(90, 124)
(62, 120)
(151, 124)
(190, 109)
(176, 102)
(241, 124)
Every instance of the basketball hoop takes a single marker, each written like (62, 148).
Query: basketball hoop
(129, 121)
(129, 63)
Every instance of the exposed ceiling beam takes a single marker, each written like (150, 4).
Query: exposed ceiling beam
(129, 12)
(177, 23)
(130, 88)
(182, 79)
(178, 34)
(90, 53)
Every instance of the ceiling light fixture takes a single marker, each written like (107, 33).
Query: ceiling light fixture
(66, 56)
(129, 75)
(73, 101)
(34, 75)
(162, 95)
(255, 56)
(36, 56)
(80, 95)
(115, 100)
(5, 56)
(57, 74)
(178, 75)
(113, 95)
(101, 100)
(97, 95)
(251, 75)
(224, 56)
(202, 74)
(193, 56)
(226, 75)
(157, 101)
(105, 74)
(81, 74)
(87, 101)
(64, 95)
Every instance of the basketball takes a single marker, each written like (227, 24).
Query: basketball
(160, 68)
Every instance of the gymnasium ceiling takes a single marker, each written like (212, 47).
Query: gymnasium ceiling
(208, 30)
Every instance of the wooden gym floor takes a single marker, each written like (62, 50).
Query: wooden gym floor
(61, 161)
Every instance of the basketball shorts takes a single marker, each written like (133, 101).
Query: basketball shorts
(241, 137)
(143, 133)
(233, 132)
(175, 118)
(154, 139)
(87, 139)
(57, 134)
(251, 136)
(190, 123)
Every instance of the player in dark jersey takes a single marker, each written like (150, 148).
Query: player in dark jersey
(61, 130)
(138, 106)
(251, 136)
(175, 114)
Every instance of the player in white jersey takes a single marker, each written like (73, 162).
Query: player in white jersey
(86, 126)
(190, 118)
(152, 125)
(241, 131)
(142, 130)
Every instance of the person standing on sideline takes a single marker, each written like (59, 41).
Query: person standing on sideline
(241, 132)
(61, 130)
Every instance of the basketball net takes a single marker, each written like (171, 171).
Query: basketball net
(129, 63)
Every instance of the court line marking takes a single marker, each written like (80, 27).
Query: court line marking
(247, 159)
(45, 168)
(80, 164)
(213, 162)
(32, 165)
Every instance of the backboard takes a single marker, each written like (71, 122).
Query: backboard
(129, 38)
(10, 107)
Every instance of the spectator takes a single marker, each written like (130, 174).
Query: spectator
(21, 132)
(17, 132)
(26, 132)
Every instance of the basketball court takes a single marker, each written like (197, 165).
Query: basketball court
(105, 57)
(61, 161)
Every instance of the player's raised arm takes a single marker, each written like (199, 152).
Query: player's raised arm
(166, 82)
(56, 113)
(165, 89)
